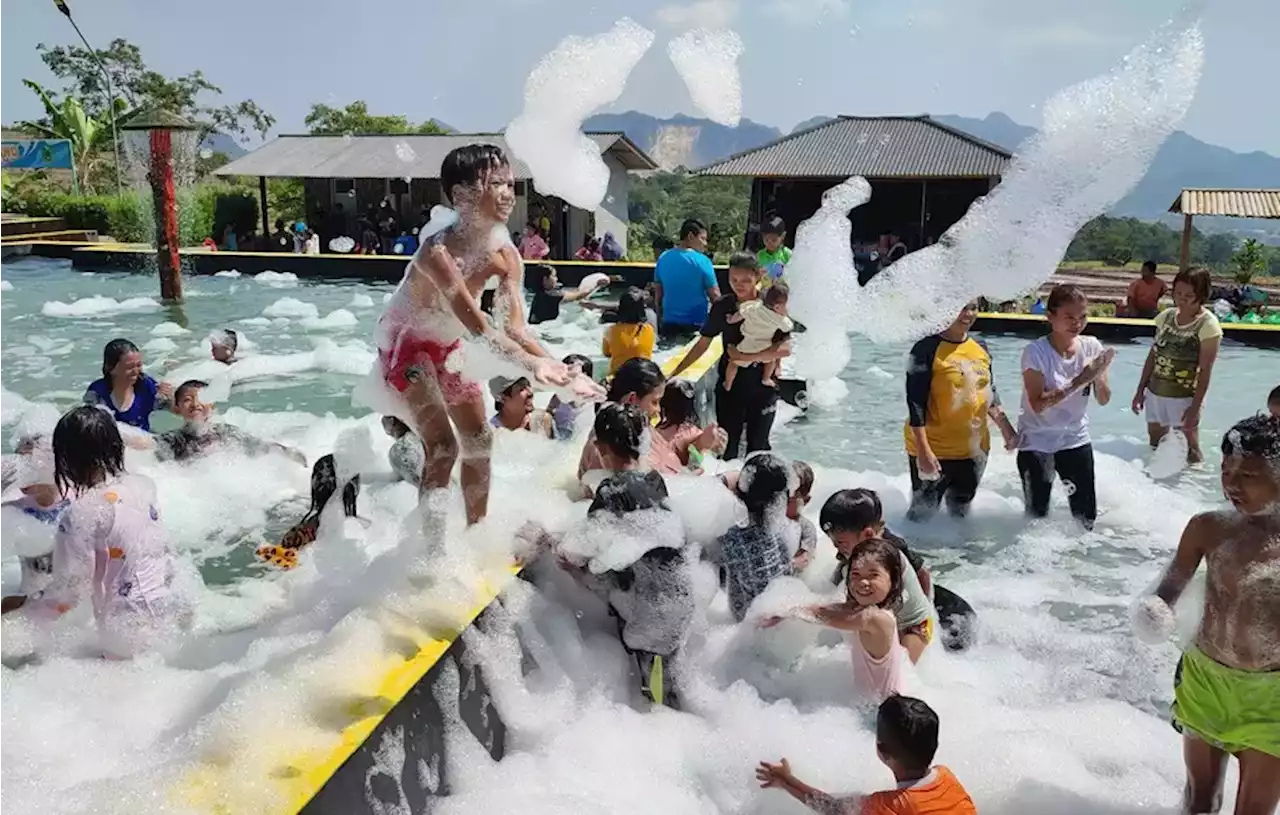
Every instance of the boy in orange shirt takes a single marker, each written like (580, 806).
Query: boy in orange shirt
(906, 740)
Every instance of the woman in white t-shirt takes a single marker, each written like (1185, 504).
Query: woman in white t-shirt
(1058, 373)
(1175, 378)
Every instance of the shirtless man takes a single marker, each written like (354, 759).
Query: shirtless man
(438, 305)
(1227, 686)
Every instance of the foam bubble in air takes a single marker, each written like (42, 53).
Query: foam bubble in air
(707, 61)
(291, 307)
(580, 75)
(404, 152)
(822, 279)
(1096, 142)
(97, 306)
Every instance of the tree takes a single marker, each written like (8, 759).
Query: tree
(660, 202)
(68, 119)
(356, 120)
(140, 86)
(1218, 248)
(1249, 260)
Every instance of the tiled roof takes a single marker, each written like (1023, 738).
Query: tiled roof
(872, 146)
(1236, 203)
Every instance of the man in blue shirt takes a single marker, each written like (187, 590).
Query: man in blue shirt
(685, 283)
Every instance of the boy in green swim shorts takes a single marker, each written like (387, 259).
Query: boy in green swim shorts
(1227, 685)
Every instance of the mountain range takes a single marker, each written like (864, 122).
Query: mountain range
(1182, 161)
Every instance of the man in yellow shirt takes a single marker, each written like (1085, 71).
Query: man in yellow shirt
(950, 394)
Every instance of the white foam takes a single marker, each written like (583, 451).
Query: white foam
(291, 307)
(168, 329)
(227, 273)
(160, 345)
(338, 318)
(278, 279)
(1170, 457)
(5, 285)
(361, 301)
(404, 152)
(1096, 142)
(707, 61)
(579, 76)
(97, 306)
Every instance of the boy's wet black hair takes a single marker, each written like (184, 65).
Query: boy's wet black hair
(691, 227)
(1199, 280)
(765, 477)
(185, 387)
(637, 376)
(678, 404)
(1255, 436)
(112, 352)
(469, 164)
(1064, 294)
(324, 483)
(621, 429)
(804, 477)
(1149, 265)
(542, 273)
(889, 558)
(851, 511)
(631, 307)
(584, 364)
(745, 261)
(228, 338)
(86, 449)
(774, 226)
(630, 491)
(1274, 398)
(907, 732)
(778, 292)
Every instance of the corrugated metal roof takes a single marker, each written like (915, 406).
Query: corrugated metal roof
(391, 156)
(1233, 203)
(872, 146)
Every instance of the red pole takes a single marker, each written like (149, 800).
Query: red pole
(166, 209)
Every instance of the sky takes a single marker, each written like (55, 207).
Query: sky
(465, 63)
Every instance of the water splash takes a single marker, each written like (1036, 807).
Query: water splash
(707, 61)
(579, 76)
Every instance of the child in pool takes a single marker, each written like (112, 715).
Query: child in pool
(763, 320)
(548, 296)
(324, 483)
(200, 435)
(405, 456)
(906, 741)
(42, 502)
(679, 425)
(630, 336)
(852, 516)
(757, 552)
(564, 415)
(639, 382)
(223, 344)
(1227, 684)
(111, 547)
(795, 507)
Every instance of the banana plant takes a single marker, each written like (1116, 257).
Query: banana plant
(66, 119)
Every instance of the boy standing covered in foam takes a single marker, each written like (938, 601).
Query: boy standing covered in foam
(762, 321)
(437, 305)
(1227, 684)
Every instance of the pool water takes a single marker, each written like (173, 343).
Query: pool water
(1058, 709)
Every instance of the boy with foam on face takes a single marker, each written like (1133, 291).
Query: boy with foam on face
(1227, 683)
(223, 344)
(199, 434)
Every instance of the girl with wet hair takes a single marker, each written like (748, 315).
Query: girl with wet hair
(638, 382)
(679, 425)
(631, 336)
(324, 483)
(130, 395)
(756, 552)
(111, 547)
(437, 306)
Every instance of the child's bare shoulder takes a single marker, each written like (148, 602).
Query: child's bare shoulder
(1206, 529)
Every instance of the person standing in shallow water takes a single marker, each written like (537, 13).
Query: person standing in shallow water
(1175, 377)
(1059, 372)
(950, 395)
(1227, 682)
(437, 305)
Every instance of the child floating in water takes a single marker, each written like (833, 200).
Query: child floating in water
(223, 344)
(679, 425)
(436, 307)
(764, 323)
(111, 547)
(757, 552)
(199, 435)
(405, 455)
(38, 508)
(906, 741)
(324, 483)
(1227, 684)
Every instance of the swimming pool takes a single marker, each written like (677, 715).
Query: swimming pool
(1065, 710)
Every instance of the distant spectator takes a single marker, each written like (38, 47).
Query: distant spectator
(775, 255)
(896, 251)
(610, 249)
(230, 243)
(1143, 298)
(281, 240)
(388, 226)
(590, 250)
(407, 243)
(686, 282)
(532, 245)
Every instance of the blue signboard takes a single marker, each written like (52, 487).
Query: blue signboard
(53, 154)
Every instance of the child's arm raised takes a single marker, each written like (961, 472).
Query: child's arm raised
(779, 776)
(1153, 617)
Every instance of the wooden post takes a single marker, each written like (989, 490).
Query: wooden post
(262, 196)
(1184, 254)
(164, 196)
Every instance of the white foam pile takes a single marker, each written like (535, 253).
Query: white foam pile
(580, 75)
(97, 306)
(276, 279)
(707, 61)
(1096, 141)
(5, 285)
(351, 358)
(292, 307)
